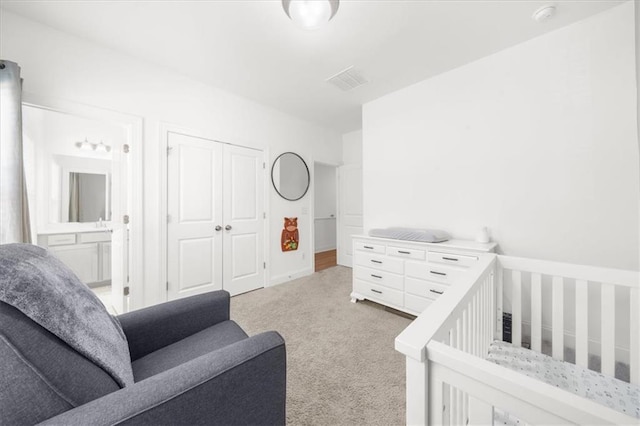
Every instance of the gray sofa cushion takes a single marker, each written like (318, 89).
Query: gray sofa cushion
(44, 289)
(194, 346)
(46, 378)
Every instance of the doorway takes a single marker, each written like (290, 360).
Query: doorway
(78, 171)
(325, 212)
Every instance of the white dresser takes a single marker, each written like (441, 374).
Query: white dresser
(409, 276)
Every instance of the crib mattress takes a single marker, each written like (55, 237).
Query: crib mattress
(616, 394)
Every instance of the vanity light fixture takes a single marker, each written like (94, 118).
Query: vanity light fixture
(88, 146)
(310, 14)
(102, 147)
(84, 145)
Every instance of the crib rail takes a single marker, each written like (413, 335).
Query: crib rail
(450, 382)
(463, 317)
(525, 278)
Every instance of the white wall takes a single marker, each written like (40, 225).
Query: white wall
(55, 64)
(352, 147)
(537, 142)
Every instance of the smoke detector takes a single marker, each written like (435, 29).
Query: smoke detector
(544, 13)
(347, 79)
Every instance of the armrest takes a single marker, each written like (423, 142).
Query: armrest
(155, 327)
(243, 383)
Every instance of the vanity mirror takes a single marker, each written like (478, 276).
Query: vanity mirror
(88, 198)
(290, 176)
(80, 190)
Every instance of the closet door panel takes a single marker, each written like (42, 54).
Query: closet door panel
(195, 209)
(244, 219)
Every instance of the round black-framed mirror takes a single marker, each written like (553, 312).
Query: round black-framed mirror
(290, 176)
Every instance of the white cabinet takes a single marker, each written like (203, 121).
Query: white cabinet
(88, 254)
(409, 276)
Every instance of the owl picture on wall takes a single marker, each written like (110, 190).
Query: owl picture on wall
(289, 238)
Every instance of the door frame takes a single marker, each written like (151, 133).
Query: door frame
(313, 209)
(134, 126)
(165, 129)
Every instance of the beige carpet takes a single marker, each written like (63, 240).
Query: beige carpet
(341, 365)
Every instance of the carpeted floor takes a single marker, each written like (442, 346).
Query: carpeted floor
(341, 365)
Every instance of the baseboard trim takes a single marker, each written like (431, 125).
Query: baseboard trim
(280, 279)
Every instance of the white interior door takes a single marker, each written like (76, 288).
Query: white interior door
(243, 219)
(194, 229)
(119, 256)
(349, 211)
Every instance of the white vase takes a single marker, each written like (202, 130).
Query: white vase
(483, 235)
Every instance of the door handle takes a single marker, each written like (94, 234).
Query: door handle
(218, 228)
(228, 227)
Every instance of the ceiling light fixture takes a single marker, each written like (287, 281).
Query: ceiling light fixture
(544, 13)
(310, 14)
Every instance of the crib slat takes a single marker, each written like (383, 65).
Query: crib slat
(474, 325)
(483, 315)
(634, 359)
(516, 317)
(499, 295)
(582, 329)
(557, 319)
(608, 319)
(536, 312)
(453, 337)
(465, 331)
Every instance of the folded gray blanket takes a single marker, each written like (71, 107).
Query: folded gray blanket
(44, 289)
(411, 234)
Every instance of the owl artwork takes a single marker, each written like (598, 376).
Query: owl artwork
(289, 239)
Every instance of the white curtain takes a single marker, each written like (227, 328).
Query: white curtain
(74, 197)
(14, 208)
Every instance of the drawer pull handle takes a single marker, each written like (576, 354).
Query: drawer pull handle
(435, 291)
(404, 252)
(376, 261)
(453, 259)
(376, 276)
(376, 291)
(438, 273)
(368, 247)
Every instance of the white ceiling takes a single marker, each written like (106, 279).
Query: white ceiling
(251, 48)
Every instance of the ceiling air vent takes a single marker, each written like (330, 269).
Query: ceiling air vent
(347, 79)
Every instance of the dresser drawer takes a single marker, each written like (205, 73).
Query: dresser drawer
(383, 263)
(369, 247)
(407, 253)
(434, 272)
(452, 259)
(61, 239)
(423, 288)
(416, 304)
(384, 278)
(379, 293)
(94, 237)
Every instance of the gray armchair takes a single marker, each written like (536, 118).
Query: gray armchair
(191, 365)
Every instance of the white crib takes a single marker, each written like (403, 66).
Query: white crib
(450, 380)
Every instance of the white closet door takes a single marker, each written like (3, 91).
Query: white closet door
(244, 219)
(349, 210)
(194, 263)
